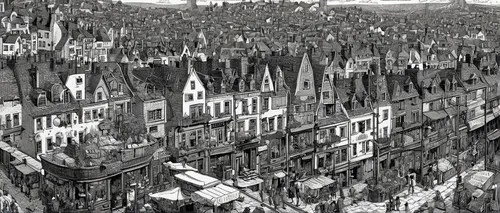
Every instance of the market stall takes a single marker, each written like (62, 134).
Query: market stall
(220, 198)
(445, 169)
(172, 200)
(316, 188)
(192, 181)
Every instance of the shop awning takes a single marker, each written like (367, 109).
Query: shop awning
(216, 196)
(451, 111)
(242, 183)
(197, 179)
(280, 174)
(179, 167)
(302, 128)
(493, 135)
(436, 115)
(174, 194)
(26, 170)
(19, 155)
(444, 165)
(318, 182)
(34, 164)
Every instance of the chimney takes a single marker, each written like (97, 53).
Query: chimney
(244, 66)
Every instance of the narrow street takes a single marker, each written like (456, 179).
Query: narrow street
(22, 200)
(419, 198)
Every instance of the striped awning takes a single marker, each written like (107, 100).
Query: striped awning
(216, 196)
(318, 182)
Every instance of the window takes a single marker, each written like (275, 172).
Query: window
(48, 122)
(78, 94)
(368, 124)
(362, 126)
(189, 97)
(79, 80)
(16, 119)
(385, 132)
(326, 95)
(384, 97)
(280, 123)
(46, 35)
(402, 105)
(99, 96)
(265, 106)
(120, 88)
(354, 149)
(385, 114)
(39, 124)
(200, 96)
(87, 116)
(327, 77)
(244, 105)
(266, 84)
(399, 121)
(49, 143)
(254, 105)
(193, 85)
(183, 140)
(306, 85)
(153, 129)
(5, 47)
(217, 110)
(354, 128)
(227, 106)
(9, 121)
(271, 124)
(101, 113)
(343, 132)
(343, 155)
(95, 116)
(414, 116)
(297, 109)
(431, 106)
(472, 113)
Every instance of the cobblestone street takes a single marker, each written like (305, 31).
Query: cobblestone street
(22, 200)
(417, 199)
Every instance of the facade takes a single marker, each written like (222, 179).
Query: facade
(10, 107)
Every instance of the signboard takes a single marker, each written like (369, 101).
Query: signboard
(262, 148)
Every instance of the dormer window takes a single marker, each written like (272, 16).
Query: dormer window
(42, 99)
(433, 89)
(252, 84)
(367, 101)
(454, 85)
(79, 80)
(410, 87)
(307, 85)
(354, 103)
(266, 84)
(474, 80)
(327, 77)
(99, 96)
(242, 86)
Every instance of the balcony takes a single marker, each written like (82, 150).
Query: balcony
(130, 157)
(329, 140)
(246, 136)
(195, 120)
(222, 115)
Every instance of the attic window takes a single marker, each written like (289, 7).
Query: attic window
(327, 77)
(79, 80)
(266, 84)
(42, 99)
(433, 89)
(354, 103)
(307, 85)
(453, 86)
(193, 85)
(474, 80)
(242, 86)
(410, 87)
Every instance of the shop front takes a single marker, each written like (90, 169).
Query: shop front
(192, 181)
(219, 198)
(221, 161)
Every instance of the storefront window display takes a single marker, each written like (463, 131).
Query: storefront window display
(98, 191)
(80, 195)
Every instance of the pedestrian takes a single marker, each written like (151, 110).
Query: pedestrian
(387, 207)
(297, 192)
(398, 203)
(411, 187)
(407, 208)
(431, 177)
(283, 196)
(261, 194)
(391, 203)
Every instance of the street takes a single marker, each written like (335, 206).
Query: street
(417, 199)
(22, 200)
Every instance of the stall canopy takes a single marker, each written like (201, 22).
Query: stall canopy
(318, 182)
(280, 174)
(26, 170)
(197, 179)
(444, 165)
(174, 194)
(216, 196)
(179, 166)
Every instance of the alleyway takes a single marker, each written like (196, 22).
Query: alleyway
(417, 199)
(22, 200)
